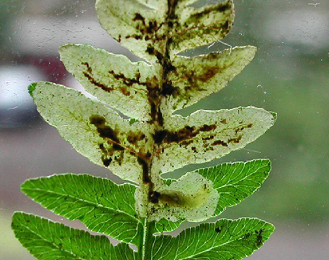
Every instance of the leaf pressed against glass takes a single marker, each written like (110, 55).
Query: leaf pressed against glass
(145, 139)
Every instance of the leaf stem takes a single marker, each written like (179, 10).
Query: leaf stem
(144, 251)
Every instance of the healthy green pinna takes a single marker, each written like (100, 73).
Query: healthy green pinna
(152, 142)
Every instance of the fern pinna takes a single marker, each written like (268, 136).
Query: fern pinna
(151, 142)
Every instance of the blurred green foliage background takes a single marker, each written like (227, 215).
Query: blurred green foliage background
(290, 75)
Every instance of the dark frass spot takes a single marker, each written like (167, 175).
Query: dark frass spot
(207, 128)
(247, 235)
(235, 140)
(144, 164)
(97, 120)
(118, 147)
(218, 230)
(139, 17)
(220, 142)
(154, 196)
(259, 237)
(103, 130)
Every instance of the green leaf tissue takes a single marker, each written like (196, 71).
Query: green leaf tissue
(148, 140)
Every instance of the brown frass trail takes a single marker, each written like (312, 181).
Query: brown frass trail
(88, 75)
(183, 134)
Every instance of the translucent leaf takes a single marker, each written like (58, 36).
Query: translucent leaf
(236, 181)
(170, 28)
(223, 240)
(198, 77)
(155, 4)
(192, 198)
(135, 26)
(195, 27)
(101, 205)
(112, 78)
(47, 240)
(93, 129)
(206, 135)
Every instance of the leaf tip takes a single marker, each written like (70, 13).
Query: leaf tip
(275, 115)
(31, 88)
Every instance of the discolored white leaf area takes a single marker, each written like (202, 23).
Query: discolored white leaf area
(113, 79)
(135, 26)
(155, 29)
(196, 27)
(206, 135)
(195, 78)
(93, 129)
(191, 197)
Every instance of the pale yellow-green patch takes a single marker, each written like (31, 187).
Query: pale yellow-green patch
(93, 129)
(160, 5)
(155, 33)
(135, 26)
(191, 197)
(206, 135)
(112, 78)
(198, 77)
(200, 26)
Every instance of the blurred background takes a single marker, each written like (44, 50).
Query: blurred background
(290, 75)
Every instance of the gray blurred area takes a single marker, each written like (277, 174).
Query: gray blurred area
(290, 75)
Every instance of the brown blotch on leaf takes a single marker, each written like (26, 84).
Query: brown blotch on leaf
(220, 8)
(208, 138)
(242, 128)
(259, 237)
(89, 69)
(139, 17)
(208, 74)
(103, 130)
(235, 140)
(170, 137)
(154, 196)
(220, 142)
(118, 147)
(207, 128)
(134, 138)
(106, 161)
(144, 164)
(224, 7)
(186, 143)
(168, 89)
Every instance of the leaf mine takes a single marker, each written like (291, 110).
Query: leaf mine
(113, 79)
(196, 27)
(135, 26)
(94, 130)
(206, 135)
(195, 78)
(192, 197)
